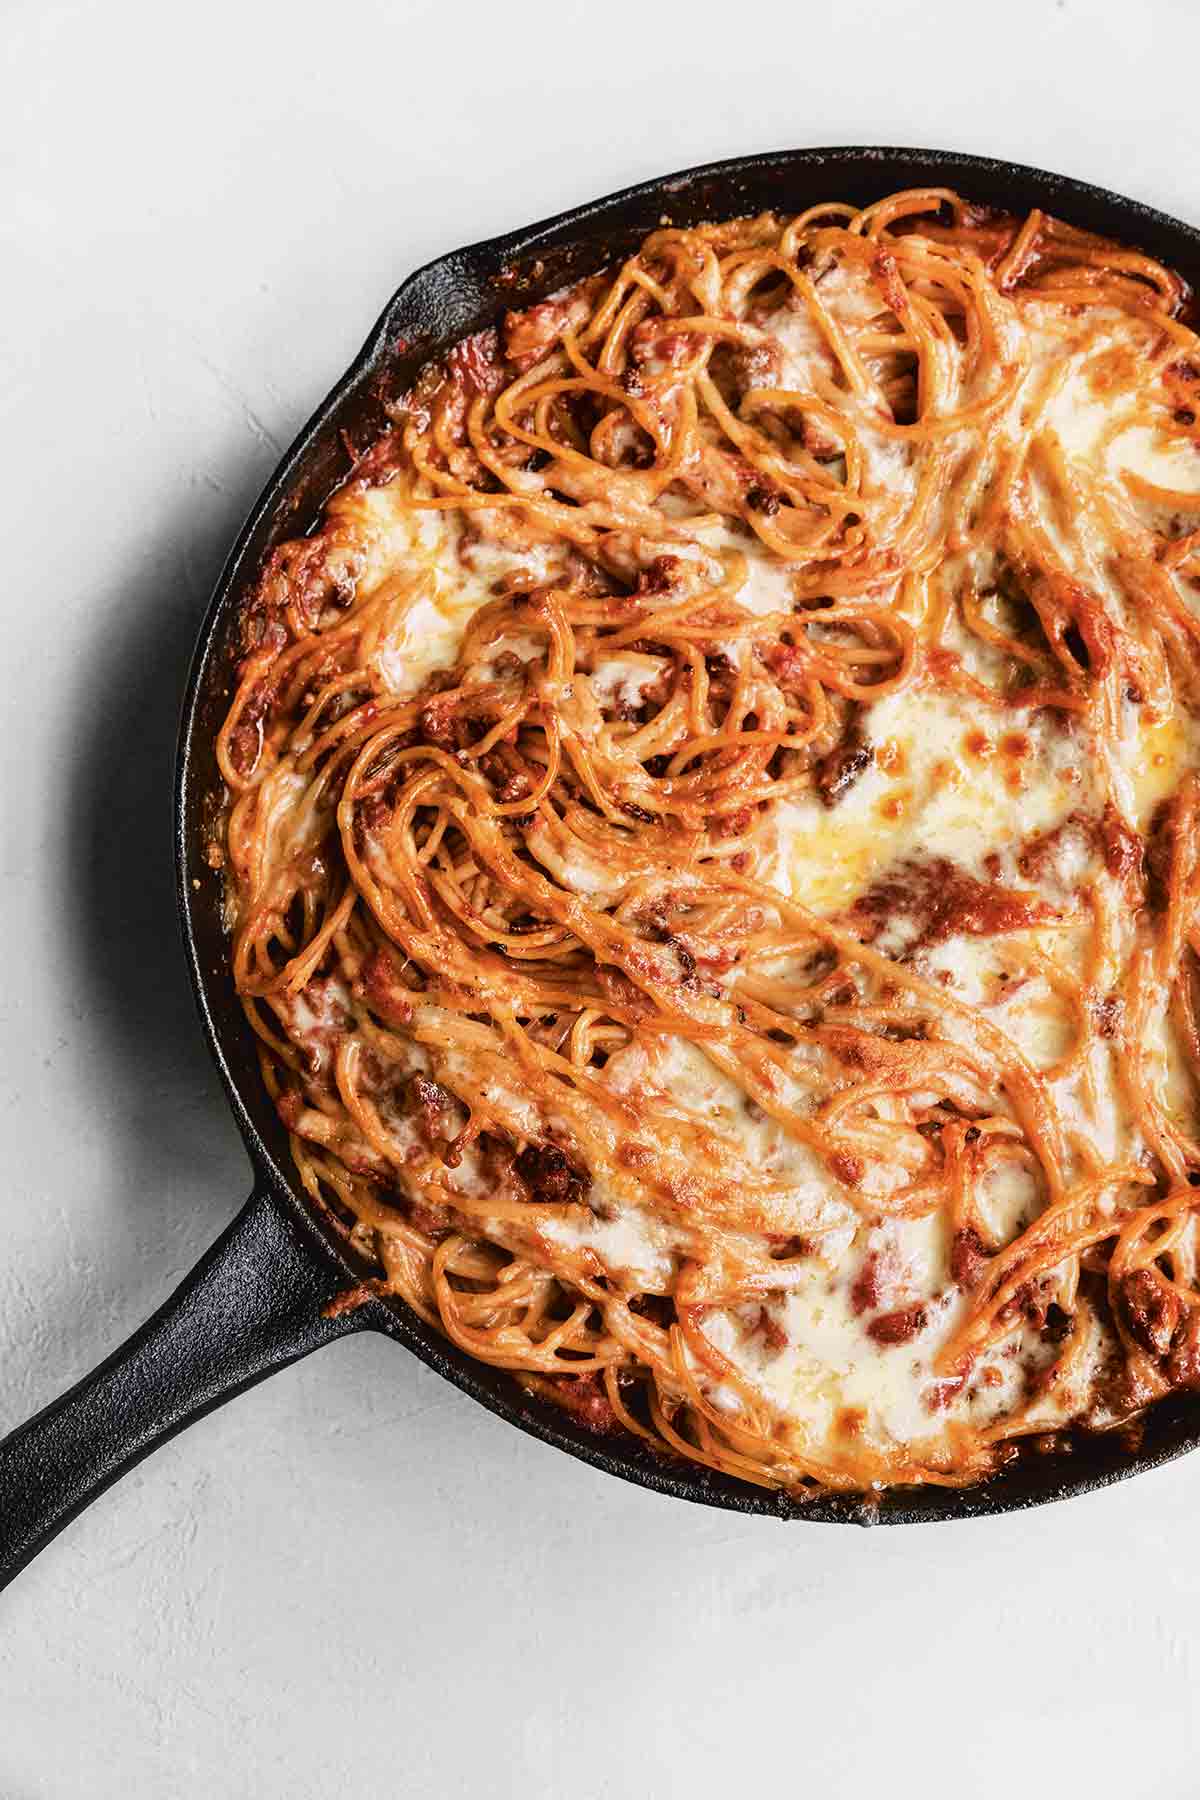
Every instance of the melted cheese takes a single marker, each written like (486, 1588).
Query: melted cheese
(625, 680)
(949, 779)
(1092, 432)
(853, 298)
(291, 821)
(940, 785)
(438, 576)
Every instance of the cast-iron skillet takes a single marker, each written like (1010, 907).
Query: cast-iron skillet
(254, 1303)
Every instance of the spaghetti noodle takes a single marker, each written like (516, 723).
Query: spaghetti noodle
(714, 847)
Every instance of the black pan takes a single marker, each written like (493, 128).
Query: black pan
(255, 1302)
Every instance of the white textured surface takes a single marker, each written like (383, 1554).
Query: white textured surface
(352, 1580)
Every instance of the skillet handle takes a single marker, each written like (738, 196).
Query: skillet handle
(250, 1306)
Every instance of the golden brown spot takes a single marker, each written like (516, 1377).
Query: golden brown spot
(895, 806)
(1016, 743)
(978, 744)
(891, 757)
(850, 1420)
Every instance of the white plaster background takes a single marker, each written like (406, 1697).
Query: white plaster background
(353, 1581)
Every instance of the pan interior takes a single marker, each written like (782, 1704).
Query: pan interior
(451, 298)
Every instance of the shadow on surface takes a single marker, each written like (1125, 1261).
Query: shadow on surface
(174, 1168)
(120, 900)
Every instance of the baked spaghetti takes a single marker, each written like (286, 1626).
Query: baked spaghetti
(713, 848)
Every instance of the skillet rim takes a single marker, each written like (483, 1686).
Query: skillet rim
(511, 267)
